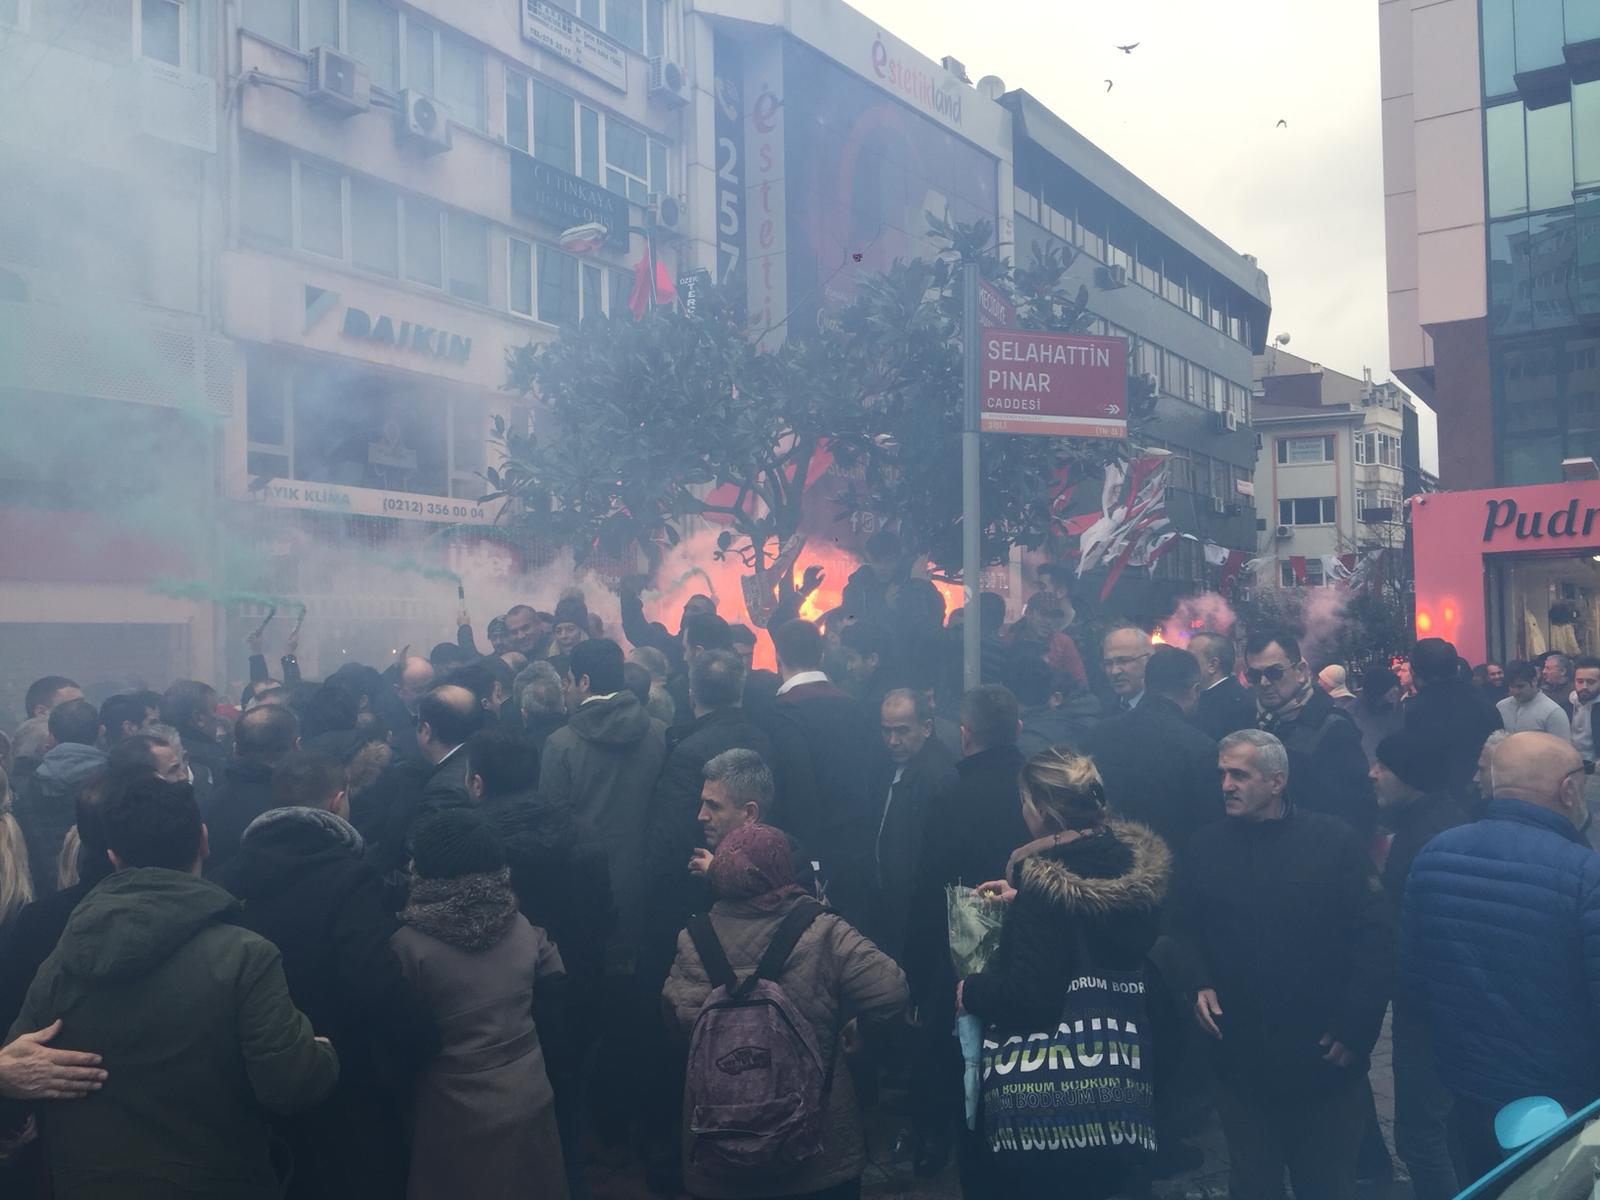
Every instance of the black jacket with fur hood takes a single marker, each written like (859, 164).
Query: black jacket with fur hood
(1108, 884)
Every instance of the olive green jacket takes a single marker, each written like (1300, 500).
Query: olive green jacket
(198, 1036)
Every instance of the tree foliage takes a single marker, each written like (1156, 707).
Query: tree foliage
(638, 424)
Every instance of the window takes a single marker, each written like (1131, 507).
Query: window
(11, 13)
(624, 20)
(558, 288)
(1586, 131)
(1174, 375)
(161, 30)
(374, 227)
(1549, 157)
(468, 256)
(1506, 160)
(553, 128)
(461, 79)
(1147, 275)
(1313, 569)
(424, 248)
(275, 20)
(517, 123)
(321, 211)
(589, 143)
(1539, 33)
(265, 204)
(1172, 285)
(559, 302)
(1295, 451)
(1499, 48)
(374, 39)
(627, 161)
(1388, 450)
(1312, 510)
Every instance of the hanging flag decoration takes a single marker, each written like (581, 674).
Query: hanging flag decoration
(1230, 568)
(1133, 529)
(1217, 555)
(1297, 564)
(666, 293)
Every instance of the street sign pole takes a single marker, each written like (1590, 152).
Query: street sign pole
(971, 542)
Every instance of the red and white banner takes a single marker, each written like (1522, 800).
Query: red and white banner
(1133, 529)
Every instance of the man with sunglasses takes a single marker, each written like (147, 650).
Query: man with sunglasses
(1325, 755)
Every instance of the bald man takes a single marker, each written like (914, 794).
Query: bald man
(416, 677)
(446, 717)
(1500, 946)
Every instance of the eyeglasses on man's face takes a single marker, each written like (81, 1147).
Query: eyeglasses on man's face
(1271, 674)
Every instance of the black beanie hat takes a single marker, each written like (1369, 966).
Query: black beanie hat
(453, 843)
(1413, 760)
(574, 611)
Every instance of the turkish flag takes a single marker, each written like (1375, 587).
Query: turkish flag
(666, 293)
(1297, 564)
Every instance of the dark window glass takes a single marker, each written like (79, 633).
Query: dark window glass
(1509, 286)
(1583, 20)
(625, 22)
(1539, 34)
(1553, 268)
(1499, 48)
(558, 287)
(552, 127)
(521, 278)
(517, 112)
(274, 19)
(469, 257)
(1586, 132)
(264, 402)
(264, 193)
(589, 130)
(374, 227)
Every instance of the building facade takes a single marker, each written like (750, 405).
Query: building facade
(261, 264)
(1192, 310)
(1330, 476)
(1491, 116)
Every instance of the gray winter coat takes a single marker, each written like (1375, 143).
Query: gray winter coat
(46, 807)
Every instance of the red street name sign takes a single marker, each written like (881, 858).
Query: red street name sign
(1056, 384)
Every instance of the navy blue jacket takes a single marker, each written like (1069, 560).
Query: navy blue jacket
(1500, 949)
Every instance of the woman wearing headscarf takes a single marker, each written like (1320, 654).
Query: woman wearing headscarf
(833, 969)
(484, 1120)
(1084, 901)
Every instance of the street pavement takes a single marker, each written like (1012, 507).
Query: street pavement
(888, 1176)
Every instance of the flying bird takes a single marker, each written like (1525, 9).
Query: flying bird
(1283, 124)
(1108, 85)
(1129, 48)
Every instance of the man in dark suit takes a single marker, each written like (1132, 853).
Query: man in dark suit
(819, 730)
(1159, 770)
(1224, 706)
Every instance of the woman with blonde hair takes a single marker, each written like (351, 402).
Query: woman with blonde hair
(1083, 914)
(16, 880)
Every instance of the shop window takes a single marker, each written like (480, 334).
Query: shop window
(1309, 510)
(468, 257)
(374, 227)
(360, 427)
(161, 30)
(321, 211)
(424, 250)
(469, 436)
(1295, 451)
(265, 204)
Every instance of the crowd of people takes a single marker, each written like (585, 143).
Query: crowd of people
(456, 927)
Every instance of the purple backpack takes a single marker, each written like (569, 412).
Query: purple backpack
(757, 1086)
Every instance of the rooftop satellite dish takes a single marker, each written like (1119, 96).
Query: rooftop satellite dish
(992, 86)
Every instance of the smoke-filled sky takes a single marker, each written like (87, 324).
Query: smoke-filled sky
(1194, 113)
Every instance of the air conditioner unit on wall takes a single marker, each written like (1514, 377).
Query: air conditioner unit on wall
(668, 212)
(421, 122)
(338, 83)
(1284, 532)
(667, 82)
(1109, 278)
